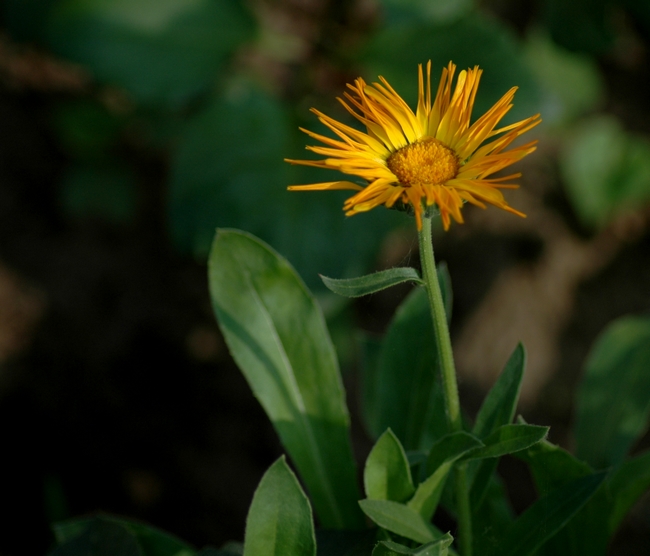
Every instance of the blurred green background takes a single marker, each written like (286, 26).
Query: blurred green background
(131, 129)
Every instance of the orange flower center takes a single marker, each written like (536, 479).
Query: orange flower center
(427, 162)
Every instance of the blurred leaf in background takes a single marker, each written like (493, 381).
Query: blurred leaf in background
(571, 83)
(107, 192)
(227, 169)
(581, 25)
(605, 169)
(161, 51)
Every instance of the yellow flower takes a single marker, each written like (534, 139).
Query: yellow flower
(432, 157)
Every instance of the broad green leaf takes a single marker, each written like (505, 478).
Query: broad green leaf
(161, 51)
(440, 461)
(279, 520)
(395, 52)
(606, 170)
(614, 396)
(407, 392)
(509, 439)
(500, 404)
(387, 475)
(151, 540)
(260, 303)
(435, 548)
(371, 283)
(102, 537)
(400, 519)
(547, 516)
(497, 409)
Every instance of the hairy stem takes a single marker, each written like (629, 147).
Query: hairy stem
(448, 373)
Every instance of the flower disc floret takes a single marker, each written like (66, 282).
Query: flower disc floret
(427, 162)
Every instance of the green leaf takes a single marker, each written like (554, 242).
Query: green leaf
(435, 548)
(260, 303)
(400, 519)
(492, 518)
(387, 475)
(151, 540)
(547, 516)
(371, 283)
(552, 466)
(396, 50)
(590, 531)
(407, 391)
(101, 537)
(500, 404)
(440, 461)
(498, 409)
(606, 170)
(161, 51)
(626, 485)
(614, 396)
(509, 439)
(279, 520)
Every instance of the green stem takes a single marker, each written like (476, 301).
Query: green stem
(448, 372)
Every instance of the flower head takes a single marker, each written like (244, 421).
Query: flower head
(431, 157)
